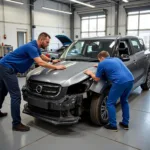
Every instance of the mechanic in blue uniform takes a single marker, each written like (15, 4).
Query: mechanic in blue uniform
(122, 83)
(20, 60)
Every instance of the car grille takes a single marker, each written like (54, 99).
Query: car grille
(44, 89)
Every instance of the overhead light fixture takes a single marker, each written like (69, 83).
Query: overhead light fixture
(66, 12)
(14, 2)
(85, 4)
(126, 1)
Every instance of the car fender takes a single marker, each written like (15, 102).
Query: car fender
(99, 87)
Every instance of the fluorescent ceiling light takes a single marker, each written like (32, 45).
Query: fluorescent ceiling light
(66, 12)
(92, 6)
(126, 1)
(15, 2)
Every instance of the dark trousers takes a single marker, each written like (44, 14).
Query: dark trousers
(117, 91)
(9, 83)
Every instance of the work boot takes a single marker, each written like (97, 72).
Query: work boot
(126, 127)
(109, 127)
(2, 114)
(21, 127)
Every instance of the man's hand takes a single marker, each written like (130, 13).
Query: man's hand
(96, 65)
(60, 67)
(56, 61)
(88, 72)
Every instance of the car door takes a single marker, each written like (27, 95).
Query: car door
(125, 47)
(140, 58)
(146, 56)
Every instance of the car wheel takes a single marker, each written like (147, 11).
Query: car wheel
(146, 85)
(98, 109)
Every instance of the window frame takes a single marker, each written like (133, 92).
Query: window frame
(139, 13)
(128, 45)
(98, 16)
(134, 49)
(142, 45)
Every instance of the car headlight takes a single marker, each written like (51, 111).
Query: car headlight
(79, 87)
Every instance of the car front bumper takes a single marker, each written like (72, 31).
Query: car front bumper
(53, 120)
(57, 112)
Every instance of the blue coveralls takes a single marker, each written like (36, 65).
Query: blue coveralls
(122, 83)
(20, 61)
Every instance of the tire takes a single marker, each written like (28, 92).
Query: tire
(146, 85)
(98, 110)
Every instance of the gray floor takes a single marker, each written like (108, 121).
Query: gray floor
(82, 136)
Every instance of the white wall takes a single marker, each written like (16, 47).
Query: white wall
(110, 30)
(77, 26)
(17, 18)
(122, 20)
(51, 22)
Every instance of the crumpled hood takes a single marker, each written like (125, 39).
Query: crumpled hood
(72, 75)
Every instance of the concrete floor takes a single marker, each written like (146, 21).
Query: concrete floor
(83, 136)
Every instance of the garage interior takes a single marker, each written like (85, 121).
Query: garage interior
(21, 21)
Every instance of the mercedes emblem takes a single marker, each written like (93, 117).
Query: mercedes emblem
(39, 89)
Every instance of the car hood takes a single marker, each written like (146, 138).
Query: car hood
(64, 40)
(74, 73)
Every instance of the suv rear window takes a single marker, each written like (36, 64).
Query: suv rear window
(136, 44)
(142, 44)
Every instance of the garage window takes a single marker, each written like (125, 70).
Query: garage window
(93, 26)
(139, 25)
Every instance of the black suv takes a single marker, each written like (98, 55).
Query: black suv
(62, 96)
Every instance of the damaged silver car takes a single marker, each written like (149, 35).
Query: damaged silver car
(62, 96)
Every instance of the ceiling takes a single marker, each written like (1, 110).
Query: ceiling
(94, 2)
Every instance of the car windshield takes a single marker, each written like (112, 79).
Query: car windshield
(87, 50)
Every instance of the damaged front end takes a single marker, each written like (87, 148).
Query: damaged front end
(54, 103)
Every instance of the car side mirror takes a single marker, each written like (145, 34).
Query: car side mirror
(125, 57)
